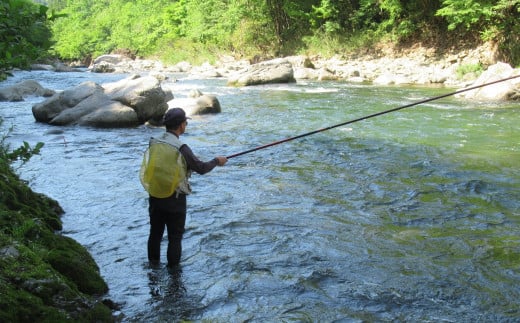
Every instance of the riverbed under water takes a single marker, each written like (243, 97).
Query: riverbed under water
(410, 216)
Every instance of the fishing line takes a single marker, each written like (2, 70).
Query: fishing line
(368, 117)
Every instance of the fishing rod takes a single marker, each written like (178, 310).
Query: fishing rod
(369, 116)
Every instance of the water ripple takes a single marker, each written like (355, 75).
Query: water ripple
(409, 217)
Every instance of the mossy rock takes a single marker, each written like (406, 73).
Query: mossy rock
(44, 276)
(17, 196)
(32, 291)
(72, 260)
(22, 306)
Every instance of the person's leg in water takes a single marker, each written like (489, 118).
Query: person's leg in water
(175, 223)
(157, 224)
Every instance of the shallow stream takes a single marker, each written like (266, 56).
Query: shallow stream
(412, 216)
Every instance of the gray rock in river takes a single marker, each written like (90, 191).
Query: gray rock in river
(507, 90)
(274, 71)
(197, 103)
(18, 91)
(125, 103)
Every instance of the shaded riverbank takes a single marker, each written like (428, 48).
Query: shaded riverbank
(45, 276)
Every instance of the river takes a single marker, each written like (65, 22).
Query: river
(413, 216)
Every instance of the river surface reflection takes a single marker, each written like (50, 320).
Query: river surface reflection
(412, 216)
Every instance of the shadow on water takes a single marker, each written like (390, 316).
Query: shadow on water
(410, 217)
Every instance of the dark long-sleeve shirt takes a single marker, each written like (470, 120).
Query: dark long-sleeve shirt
(196, 164)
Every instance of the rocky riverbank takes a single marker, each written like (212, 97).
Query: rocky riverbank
(46, 277)
(385, 66)
(389, 66)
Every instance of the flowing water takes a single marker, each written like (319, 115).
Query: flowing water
(410, 216)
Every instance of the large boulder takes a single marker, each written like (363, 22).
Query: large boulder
(111, 58)
(51, 108)
(18, 91)
(107, 63)
(273, 71)
(197, 103)
(125, 103)
(391, 79)
(506, 90)
(143, 94)
(97, 110)
(305, 73)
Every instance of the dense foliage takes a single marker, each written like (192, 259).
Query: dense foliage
(24, 34)
(187, 28)
(198, 30)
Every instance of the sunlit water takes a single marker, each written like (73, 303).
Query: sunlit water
(410, 216)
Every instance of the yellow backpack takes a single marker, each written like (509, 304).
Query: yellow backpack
(162, 169)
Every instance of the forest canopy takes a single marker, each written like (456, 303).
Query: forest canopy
(175, 30)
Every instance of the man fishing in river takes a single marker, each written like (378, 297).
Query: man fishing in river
(165, 174)
(168, 197)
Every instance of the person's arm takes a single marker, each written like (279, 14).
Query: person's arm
(197, 165)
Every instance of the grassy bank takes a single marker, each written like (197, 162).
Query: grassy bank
(45, 276)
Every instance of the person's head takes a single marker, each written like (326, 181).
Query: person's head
(174, 118)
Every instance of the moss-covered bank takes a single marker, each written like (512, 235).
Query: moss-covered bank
(45, 276)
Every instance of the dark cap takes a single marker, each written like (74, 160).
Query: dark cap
(174, 116)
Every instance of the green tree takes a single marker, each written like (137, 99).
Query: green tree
(76, 33)
(24, 34)
(506, 30)
(491, 19)
(466, 13)
(196, 29)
